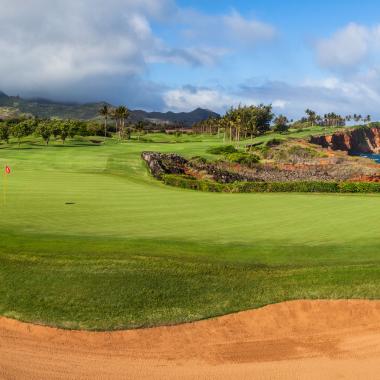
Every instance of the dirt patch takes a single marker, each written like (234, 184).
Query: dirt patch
(300, 339)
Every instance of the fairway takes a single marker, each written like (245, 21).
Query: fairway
(90, 241)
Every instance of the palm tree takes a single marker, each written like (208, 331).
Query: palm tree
(139, 128)
(121, 114)
(357, 118)
(115, 116)
(223, 124)
(311, 116)
(105, 112)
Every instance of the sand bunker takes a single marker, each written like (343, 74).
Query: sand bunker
(292, 340)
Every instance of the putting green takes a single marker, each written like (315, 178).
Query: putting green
(90, 240)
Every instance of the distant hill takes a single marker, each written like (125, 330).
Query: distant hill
(45, 108)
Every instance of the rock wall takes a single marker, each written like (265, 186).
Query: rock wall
(360, 140)
(160, 163)
(225, 172)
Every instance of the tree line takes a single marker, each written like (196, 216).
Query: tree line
(332, 119)
(46, 129)
(19, 128)
(253, 121)
(237, 123)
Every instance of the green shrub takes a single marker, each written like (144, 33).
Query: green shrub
(304, 187)
(273, 142)
(286, 187)
(198, 160)
(187, 182)
(243, 158)
(248, 187)
(303, 152)
(359, 187)
(223, 149)
(193, 184)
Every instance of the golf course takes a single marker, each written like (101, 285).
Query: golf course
(89, 240)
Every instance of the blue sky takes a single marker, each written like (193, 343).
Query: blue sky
(178, 55)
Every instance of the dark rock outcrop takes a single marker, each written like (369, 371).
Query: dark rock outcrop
(224, 172)
(160, 163)
(354, 141)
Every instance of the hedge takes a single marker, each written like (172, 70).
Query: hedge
(271, 187)
(222, 149)
(193, 184)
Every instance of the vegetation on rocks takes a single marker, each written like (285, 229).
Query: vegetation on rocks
(272, 162)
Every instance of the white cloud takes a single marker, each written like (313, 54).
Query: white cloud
(230, 30)
(280, 104)
(75, 39)
(349, 47)
(353, 85)
(50, 43)
(70, 48)
(247, 30)
(188, 98)
(219, 99)
(191, 56)
(358, 95)
(323, 96)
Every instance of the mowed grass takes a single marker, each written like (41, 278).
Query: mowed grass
(129, 252)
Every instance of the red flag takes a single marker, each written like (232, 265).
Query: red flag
(7, 169)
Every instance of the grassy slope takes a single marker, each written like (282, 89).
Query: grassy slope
(301, 133)
(131, 252)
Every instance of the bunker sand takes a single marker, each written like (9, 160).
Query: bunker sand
(291, 340)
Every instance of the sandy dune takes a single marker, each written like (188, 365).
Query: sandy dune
(292, 340)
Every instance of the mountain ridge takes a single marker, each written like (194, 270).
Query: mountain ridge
(46, 108)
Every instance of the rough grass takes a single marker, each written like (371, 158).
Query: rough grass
(131, 252)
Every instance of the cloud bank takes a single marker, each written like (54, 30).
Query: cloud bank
(89, 50)
(92, 50)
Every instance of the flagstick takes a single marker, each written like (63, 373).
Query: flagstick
(5, 188)
(4, 185)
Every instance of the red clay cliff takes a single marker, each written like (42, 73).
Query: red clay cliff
(360, 140)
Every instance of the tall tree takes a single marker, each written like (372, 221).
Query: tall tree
(312, 115)
(64, 130)
(281, 124)
(357, 118)
(5, 131)
(105, 111)
(44, 130)
(122, 113)
(140, 125)
(21, 130)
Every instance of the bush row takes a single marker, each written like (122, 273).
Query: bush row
(269, 187)
(193, 184)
